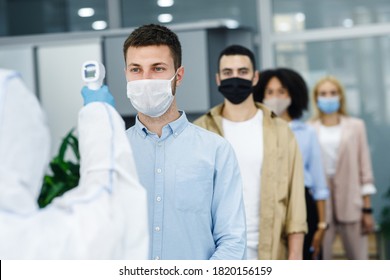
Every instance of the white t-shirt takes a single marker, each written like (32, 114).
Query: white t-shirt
(247, 140)
(329, 139)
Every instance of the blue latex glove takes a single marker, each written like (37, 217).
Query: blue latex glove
(101, 95)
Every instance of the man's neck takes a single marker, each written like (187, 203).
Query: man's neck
(239, 112)
(156, 125)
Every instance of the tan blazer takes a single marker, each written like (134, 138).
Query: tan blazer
(353, 170)
(282, 193)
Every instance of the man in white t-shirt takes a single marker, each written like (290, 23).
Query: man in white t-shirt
(269, 159)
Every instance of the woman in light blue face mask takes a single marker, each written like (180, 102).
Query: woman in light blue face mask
(348, 170)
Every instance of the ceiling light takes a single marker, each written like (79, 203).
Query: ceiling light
(347, 22)
(99, 25)
(165, 3)
(284, 26)
(300, 17)
(165, 18)
(86, 12)
(231, 23)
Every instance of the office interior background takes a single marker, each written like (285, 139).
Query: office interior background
(48, 40)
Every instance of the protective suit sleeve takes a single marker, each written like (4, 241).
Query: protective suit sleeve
(103, 218)
(24, 145)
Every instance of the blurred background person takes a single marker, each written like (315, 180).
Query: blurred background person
(348, 170)
(285, 92)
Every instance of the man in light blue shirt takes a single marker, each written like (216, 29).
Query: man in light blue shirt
(191, 175)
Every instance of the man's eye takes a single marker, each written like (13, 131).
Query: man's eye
(159, 69)
(134, 70)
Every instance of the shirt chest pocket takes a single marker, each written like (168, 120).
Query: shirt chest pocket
(193, 189)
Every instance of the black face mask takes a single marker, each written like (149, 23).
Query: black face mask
(236, 90)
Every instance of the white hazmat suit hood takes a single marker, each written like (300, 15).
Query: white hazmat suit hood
(24, 145)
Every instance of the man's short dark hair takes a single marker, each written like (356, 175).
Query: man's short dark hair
(238, 50)
(290, 80)
(155, 35)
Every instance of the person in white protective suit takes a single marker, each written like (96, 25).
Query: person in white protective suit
(105, 217)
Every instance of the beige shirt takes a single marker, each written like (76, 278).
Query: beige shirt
(282, 195)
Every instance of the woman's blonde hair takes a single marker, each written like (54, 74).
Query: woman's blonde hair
(317, 114)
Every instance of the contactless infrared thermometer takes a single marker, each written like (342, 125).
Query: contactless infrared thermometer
(93, 74)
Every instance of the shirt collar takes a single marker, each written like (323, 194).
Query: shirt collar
(297, 124)
(173, 128)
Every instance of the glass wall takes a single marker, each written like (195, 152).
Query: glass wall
(360, 64)
(297, 15)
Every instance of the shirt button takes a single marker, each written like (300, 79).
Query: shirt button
(159, 145)
(158, 198)
(157, 228)
(157, 258)
(159, 170)
(176, 134)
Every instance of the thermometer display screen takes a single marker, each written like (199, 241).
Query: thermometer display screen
(90, 71)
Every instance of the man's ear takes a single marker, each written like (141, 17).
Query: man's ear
(217, 79)
(255, 78)
(179, 75)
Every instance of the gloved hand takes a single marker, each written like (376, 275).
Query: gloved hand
(101, 95)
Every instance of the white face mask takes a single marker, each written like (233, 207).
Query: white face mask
(277, 105)
(151, 97)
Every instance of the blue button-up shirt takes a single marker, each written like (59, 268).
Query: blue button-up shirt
(194, 191)
(311, 156)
